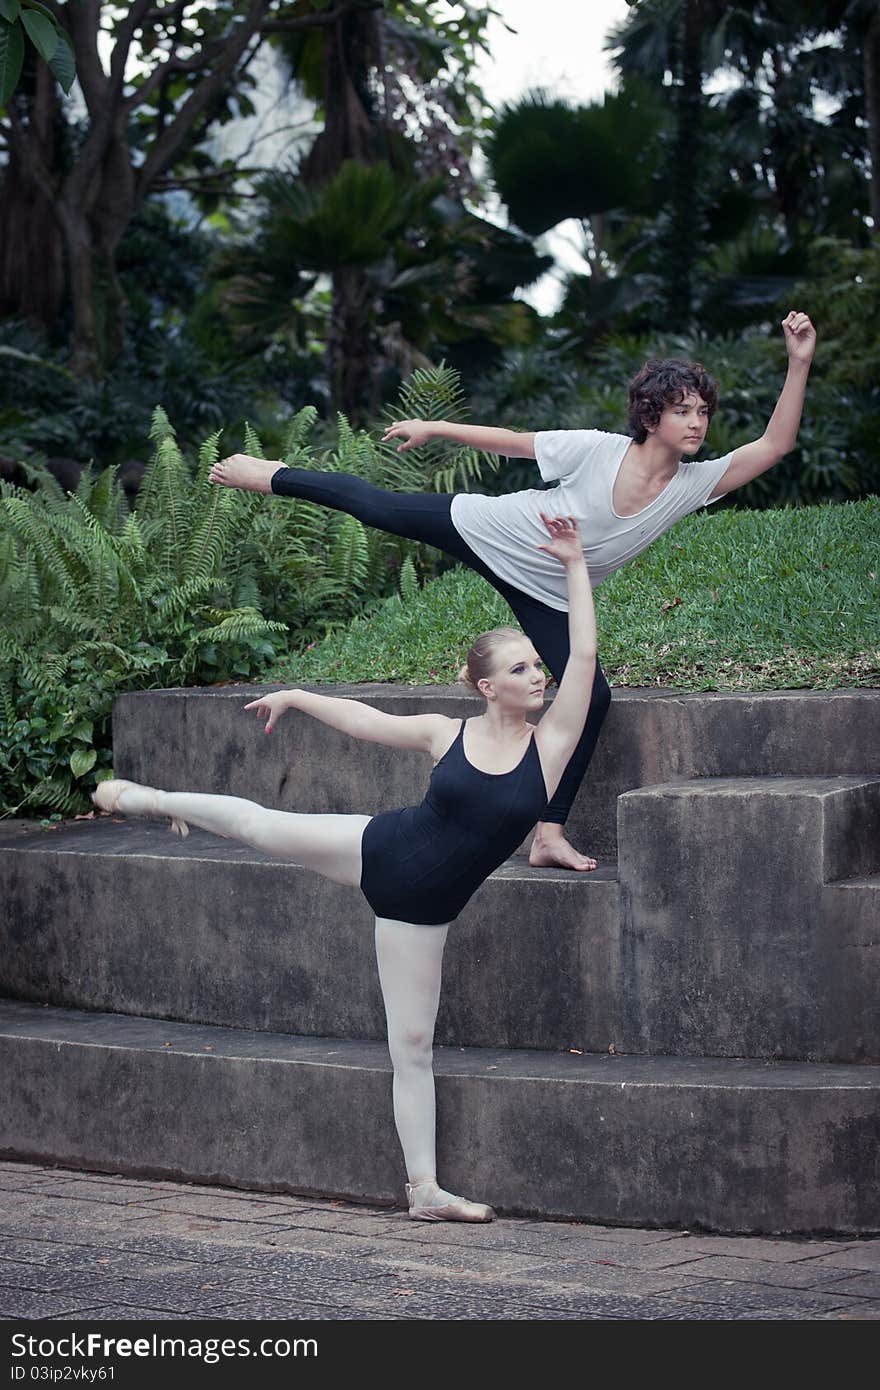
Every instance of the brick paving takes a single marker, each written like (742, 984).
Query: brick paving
(80, 1246)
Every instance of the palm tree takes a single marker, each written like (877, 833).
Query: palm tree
(674, 43)
(864, 15)
(413, 275)
(551, 161)
(804, 170)
(390, 78)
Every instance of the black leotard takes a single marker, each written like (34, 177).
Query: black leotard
(422, 864)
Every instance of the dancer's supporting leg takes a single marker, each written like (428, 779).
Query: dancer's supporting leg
(410, 962)
(329, 844)
(426, 517)
(548, 630)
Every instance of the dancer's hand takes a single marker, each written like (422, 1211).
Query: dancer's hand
(412, 432)
(800, 336)
(565, 539)
(271, 707)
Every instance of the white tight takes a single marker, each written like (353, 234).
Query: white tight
(410, 957)
(410, 966)
(331, 845)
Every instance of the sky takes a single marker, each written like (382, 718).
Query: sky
(558, 45)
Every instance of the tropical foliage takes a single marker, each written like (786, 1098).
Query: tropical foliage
(196, 584)
(158, 82)
(416, 277)
(778, 150)
(152, 258)
(23, 20)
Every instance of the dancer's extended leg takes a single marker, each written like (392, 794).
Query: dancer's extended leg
(329, 844)
(419, 516)
(410, 962)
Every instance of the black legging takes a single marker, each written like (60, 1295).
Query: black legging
(425, 516)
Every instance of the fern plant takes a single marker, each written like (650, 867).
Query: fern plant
(97, 600)
(433, 393)
(196, 584)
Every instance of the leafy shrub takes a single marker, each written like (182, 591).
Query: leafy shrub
(45, 409)
(197, 584)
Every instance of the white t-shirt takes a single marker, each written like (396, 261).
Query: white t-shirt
(505, 532)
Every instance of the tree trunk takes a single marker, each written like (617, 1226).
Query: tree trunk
(110, 215)
(871, 68)
(31, 244)
(31, 251)
(684, 229)
(349, 131)
(86, 355)
(60, 227)
(351, 350)
(594, 237)
(788, 191)
(96, 196)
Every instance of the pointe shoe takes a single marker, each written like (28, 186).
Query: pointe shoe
(106, 797)
(459, 1209)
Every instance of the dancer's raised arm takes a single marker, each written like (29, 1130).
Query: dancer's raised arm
(562, 725)
(425, 733)
(780, 436)
(514, 444)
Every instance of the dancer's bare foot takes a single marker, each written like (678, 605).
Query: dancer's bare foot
(244, 471)
(550, 849)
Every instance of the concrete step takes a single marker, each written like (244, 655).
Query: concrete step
(123, 916)
(201, 740)
(727, 1145)
(727, 935)
(751, 917)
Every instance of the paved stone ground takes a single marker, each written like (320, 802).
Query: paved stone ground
(84, 1246)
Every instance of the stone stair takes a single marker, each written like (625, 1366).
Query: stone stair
(689, 1036)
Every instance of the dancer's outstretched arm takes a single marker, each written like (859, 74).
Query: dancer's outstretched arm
(514, 444)
(424, 733)
(780, 436)
(562, 725)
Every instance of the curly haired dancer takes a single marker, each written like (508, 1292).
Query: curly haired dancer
(625, 491)
(419, 866)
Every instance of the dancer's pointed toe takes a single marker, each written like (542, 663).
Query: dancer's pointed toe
(106, 795)
(140, 801)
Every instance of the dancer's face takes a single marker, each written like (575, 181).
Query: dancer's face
(682, 426)
(517, 681)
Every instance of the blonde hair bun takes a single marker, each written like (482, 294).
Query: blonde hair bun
(481, 659)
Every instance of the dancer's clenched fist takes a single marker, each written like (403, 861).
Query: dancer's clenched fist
(800, 336)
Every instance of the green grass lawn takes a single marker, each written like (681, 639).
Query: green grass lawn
(731, 600)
